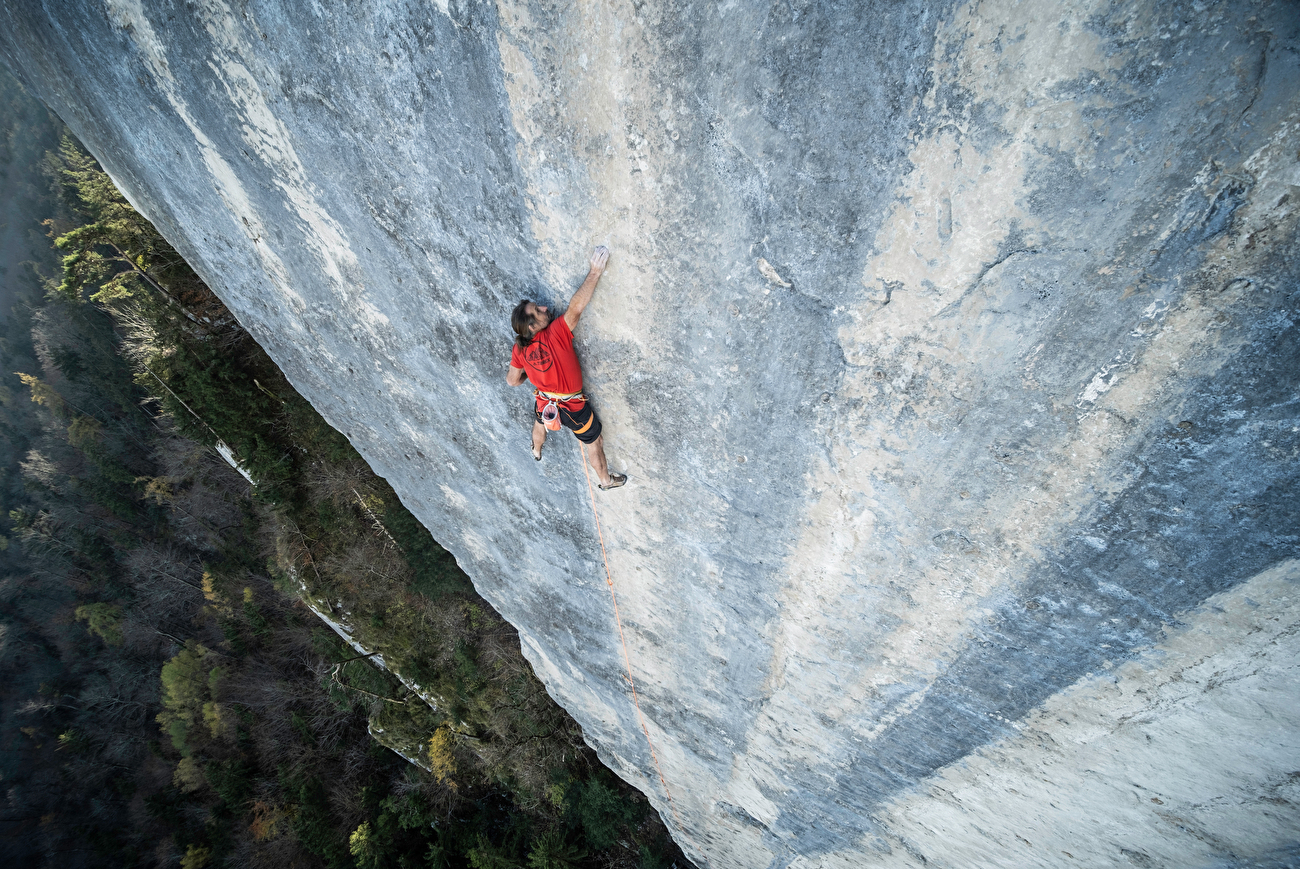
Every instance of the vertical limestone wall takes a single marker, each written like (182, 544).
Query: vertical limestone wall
(951, 350)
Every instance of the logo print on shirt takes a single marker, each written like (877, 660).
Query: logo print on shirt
(538, 356)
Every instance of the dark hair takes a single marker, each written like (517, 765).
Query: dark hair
(522, 323)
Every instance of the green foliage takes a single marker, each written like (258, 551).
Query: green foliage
(253, 614)
(369, 678)
(230, 629)
(69, 361)
(102, 490)
(212, 395)
(411, 811)
(486, 855)
(602, 811)
(196, 857)
(104, 620)
(43, 394)
(316, 829)
(231, 780)
(469, 677)
(215, 675)
(438, 855)
(185, 678)
(652, 858)
(112, 250)
(86, 434)
(184, 692)
(436, 573)
(284, 582)
(551, 850)
(189, 776)
(386, 842)
(178, 730)
(364, 848)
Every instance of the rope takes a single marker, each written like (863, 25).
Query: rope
(627, 659)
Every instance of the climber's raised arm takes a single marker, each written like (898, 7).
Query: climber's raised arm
(582, 298)
(515, 376)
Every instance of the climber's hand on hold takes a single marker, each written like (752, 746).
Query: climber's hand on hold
(580, 299)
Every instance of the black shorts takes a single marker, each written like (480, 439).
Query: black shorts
(583, 422)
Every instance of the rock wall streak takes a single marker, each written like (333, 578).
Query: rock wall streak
(951, 349)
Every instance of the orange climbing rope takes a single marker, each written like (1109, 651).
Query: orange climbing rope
(627, 659)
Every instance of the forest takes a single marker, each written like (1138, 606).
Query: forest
(179, 522)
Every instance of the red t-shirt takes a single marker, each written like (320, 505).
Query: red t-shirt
(550, 363)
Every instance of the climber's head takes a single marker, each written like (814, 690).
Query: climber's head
(527, 319)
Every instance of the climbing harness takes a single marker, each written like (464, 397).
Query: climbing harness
(562, 397)
(627, 659)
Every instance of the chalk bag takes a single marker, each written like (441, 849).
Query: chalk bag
(551, 416)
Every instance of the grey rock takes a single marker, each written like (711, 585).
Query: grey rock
(951, 350)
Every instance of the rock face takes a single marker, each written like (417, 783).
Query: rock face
(951, 350)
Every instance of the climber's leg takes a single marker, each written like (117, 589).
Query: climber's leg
(596, 458)
(586, 427)
(539, 438)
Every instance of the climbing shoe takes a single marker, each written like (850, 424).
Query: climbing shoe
(615, 480)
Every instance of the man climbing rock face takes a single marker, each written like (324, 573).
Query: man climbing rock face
(543, 354)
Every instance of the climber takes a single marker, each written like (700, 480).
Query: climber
(543, 353)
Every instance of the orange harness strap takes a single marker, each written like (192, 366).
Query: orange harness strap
(627, 660)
